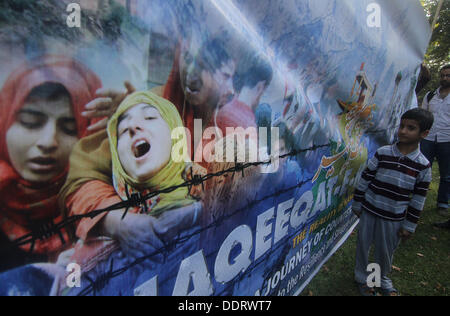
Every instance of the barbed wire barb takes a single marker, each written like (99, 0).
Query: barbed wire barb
(48, 230)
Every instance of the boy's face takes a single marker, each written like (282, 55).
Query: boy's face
(40, 140)
(144, 142)
(409, 132)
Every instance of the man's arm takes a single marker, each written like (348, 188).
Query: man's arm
(425, 103)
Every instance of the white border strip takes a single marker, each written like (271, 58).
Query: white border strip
(335, 248)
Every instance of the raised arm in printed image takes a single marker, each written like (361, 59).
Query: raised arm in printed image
(139, 135)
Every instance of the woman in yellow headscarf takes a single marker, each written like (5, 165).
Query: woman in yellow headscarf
(139, 139)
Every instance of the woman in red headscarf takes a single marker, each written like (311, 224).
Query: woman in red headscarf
(41, 106)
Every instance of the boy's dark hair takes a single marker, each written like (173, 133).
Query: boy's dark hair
(50, 91)
(423, 117)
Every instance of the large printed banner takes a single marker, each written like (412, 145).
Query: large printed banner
(191, 147)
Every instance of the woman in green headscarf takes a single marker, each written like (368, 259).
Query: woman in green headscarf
(139, 139)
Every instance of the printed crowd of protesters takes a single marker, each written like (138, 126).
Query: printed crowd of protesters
(71, 146)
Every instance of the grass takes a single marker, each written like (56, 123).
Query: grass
(421, 266)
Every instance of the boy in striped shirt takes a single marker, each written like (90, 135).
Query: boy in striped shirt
(390, 197)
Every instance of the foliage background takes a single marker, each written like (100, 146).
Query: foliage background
(438, 53)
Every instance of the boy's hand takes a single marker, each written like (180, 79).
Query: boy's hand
(404, 234)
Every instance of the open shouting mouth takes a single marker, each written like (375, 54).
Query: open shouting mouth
(140, 148)
(193, 87)
(43, 164)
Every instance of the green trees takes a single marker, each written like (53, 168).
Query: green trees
(438, 53)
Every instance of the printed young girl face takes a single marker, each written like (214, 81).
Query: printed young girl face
(41, 139)
(144, 142)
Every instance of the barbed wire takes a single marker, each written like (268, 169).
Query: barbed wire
(97, 284)
(102, 280)
(51, 229)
